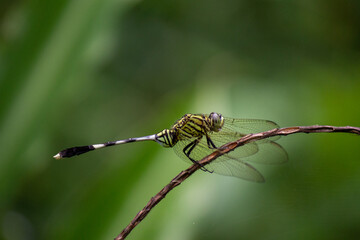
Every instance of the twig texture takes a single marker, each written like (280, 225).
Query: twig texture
(183, 175)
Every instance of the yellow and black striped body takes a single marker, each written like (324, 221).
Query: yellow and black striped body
(190, 126)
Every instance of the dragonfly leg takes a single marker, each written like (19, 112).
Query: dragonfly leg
(188, 149)
(210, 143)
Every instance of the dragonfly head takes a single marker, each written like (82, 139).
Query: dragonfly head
(216, 121)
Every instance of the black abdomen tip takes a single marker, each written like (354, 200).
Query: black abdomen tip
(70, 152)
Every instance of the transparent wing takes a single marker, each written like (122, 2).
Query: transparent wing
(224, 165)
(238, 127)
(246, 126)
(237, 162)
(269, 153)
(198, 153)
(235, 168)
(231, 165)
(202, 149)
(234, 129)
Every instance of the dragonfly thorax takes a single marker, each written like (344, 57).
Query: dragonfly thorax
(190, 127)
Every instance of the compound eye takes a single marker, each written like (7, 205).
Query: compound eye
(217, 121)
(215, 117)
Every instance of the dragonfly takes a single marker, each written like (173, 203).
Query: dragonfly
(195, 136)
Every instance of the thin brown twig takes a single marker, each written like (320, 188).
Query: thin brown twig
(183, 175)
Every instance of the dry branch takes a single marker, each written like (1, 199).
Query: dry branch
(183, 175)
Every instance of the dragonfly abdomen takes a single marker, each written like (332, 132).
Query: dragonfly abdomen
(166, 138)
(70, 152)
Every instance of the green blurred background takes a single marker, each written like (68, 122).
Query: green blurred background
(82, 72)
